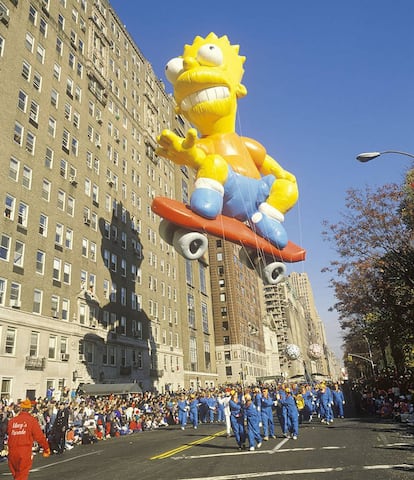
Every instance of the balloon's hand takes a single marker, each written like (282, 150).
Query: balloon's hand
(182, 151)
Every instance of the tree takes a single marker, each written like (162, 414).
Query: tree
(373, 277)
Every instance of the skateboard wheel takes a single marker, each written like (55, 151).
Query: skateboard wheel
(271, 273)
(166, 231)
(191, 245)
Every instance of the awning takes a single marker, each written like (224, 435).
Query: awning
(109, 388)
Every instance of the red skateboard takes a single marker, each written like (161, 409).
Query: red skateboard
(186, 231)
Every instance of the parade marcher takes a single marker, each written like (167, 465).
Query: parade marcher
(292, 414)
(253, 423)
(22, 431)
(194, 403)
(338, 401)
(300, 403)
(212, 406)
(57, 438)
(237, 419)
(309, 398)
(183, 408)
(281, 409)
(226, 403)
(266, 407)
(325, 404)
(220, 407)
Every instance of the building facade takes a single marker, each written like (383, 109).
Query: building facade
(89, 291)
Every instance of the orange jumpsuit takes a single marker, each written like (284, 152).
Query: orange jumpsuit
(22, 430)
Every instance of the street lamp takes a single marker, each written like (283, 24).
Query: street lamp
(366, 157)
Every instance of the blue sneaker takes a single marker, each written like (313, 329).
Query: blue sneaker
(269, 228)
(207, 199)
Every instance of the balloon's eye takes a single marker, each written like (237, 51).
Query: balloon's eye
(210, 55)
(173, 69)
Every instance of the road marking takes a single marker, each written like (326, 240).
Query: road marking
(186, 446)
(239, 476)
(247, 452)
(404, 466)
(38, 469)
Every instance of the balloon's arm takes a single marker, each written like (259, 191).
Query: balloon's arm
(271, 166)
(265, 163)
(182, 151)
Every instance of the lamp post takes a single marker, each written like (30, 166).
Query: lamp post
(367, 156)
(369, 360)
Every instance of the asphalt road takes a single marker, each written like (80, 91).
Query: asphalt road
(348, 449)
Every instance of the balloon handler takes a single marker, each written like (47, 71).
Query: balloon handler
(234, 175)
(22, 431)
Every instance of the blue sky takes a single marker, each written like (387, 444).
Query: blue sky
(326, 80)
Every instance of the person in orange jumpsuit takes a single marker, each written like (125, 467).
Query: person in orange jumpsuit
(22, 431)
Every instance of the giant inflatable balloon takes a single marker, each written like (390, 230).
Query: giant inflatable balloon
(292, 351)
(315, 351)
(235, 176)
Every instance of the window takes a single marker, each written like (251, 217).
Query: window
(32, 14)
(30, 142)
(26, 70)
(204, 317)
(34, 112)
(40, 54)
(18, 259)
(43, 27)
(29, 42)
(37, 81)
(18, 133)
(9, 206)
(57, 69)
(51, 129)
(43, 220)
(3, 285)
(22, 214)
(10, 344)
(37, 301)
(15, 294)
(14, 166)
(40, 262)
(61, 200)
(34, 344)
(27, 177)
(57, 266)
(46, 187)
(67, 273)
(49, 157)
(59, 234)
(54, 98)
(22, 101)
(59, 46)
(52, 347)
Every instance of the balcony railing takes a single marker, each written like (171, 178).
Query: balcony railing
(35, 363)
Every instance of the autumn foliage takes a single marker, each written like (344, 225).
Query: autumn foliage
(373, 273)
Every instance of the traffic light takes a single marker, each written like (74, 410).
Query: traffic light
(349, 358)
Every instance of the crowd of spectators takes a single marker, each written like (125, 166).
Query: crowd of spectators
(387, 396)
(70, 418)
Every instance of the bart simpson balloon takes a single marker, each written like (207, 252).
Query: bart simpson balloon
(234, 175)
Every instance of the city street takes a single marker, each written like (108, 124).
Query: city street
(348, 449)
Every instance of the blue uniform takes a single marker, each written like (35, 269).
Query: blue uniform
(253, 428)
(338, 402)
(194, 412)
(267, 416)
(183, 412)
(237, 422)
(292, 415)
